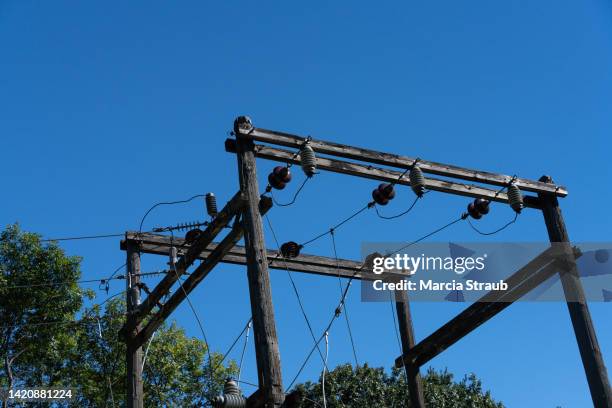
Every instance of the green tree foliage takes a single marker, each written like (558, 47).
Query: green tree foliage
(35, 317)
(176, 372)
(365, 387)
(47, 339)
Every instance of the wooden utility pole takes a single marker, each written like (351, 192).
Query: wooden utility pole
(264, 327)
(592, 360)
(404, 320)
(134, 351)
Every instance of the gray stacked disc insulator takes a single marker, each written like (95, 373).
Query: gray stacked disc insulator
(232, 397)
(515, 198)
(308, 160)
(417, 181)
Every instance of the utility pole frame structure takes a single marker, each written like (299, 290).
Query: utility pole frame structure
(246, 208)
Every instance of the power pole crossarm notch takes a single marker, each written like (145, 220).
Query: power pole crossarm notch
(264, 327)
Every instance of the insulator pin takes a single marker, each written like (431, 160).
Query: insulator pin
(211, 204)
(515, 198)
(417, 181)
(478, 208)
(384, 193)
(290, 249)
(280, 176)
(308, 160)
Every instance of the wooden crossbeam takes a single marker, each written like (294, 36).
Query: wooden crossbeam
(378, 173)
(209, 262)
(186, 260)
(394, 160)
(158, 244)
(520, 283)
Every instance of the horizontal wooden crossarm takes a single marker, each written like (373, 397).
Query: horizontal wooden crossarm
(212, 259)
(186, 259)
(312, 264)
(378, 173)
(394, 160)
(520, 283)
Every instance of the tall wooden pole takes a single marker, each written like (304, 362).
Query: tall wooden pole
(404, 320)
(592, 360)
(134, 352)
(264, 328)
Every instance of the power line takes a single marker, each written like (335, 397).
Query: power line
(83, 237)
(497, 230)
(295, 289)
(166, 203)
(295, 196)
(346, 316)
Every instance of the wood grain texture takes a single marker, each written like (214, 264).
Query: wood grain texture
(398, 161)
(588, 345)
(520, 283)
(264, 327)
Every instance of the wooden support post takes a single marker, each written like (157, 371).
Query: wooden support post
(592, 360)
(404, 320)
(134, 351)
(264, 328)
(520, 283)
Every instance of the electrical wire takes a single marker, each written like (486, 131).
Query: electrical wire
(85, 320)
(83, 237)
(346, 316)
(195, 313)
(392, 217)
(335, 227)
(324, 369)
(497, 230)
(167, 203)
(245, 329)
(246, 341)
(146, 352)
(295, 289)
(338, 309)
(295, 196)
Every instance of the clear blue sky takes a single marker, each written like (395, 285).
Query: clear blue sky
(107, 108)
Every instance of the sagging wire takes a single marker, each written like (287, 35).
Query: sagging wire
(344, 307)
(495, 231)
(325, 369)
(295, 289)
(391, 217)
(335, 227)
(146, 352)
(172, 262)
(110, 386)
(246, 329)
(167, 203)
(295, 196)
(338, 309)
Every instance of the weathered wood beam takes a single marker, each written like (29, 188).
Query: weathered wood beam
(186, 260)
(378, 173)
(520, 283)
(394, 160)
(312, 264)
(189, 284)
(267, 353)
(586, 337)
